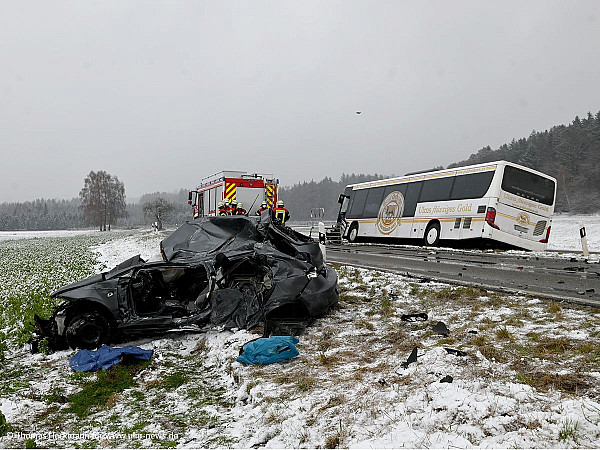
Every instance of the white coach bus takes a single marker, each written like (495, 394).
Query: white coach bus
(499, 201)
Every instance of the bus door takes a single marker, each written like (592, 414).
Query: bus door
(412, 227)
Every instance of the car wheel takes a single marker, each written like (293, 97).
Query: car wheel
(353, 232)
(432, 235)
(87, 331)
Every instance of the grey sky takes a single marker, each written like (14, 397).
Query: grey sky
(163, 93)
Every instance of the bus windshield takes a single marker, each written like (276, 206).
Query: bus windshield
(528, 185)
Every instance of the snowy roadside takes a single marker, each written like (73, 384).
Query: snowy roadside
(529, 378)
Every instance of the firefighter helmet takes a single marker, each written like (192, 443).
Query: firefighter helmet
(240, 205)
(263, 205)
(280, 203)
(226, 201)
(220, 204)
(234, 202)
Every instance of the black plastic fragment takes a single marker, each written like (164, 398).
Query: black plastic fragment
(453, 351)
(411, 359)
(472, 331)
(414, 317)
(441, 328)
(590, 291)
(447, 379)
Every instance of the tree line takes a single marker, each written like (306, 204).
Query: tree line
(570, 153)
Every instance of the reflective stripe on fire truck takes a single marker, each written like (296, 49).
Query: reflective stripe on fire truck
(230, 191)
(270, 195)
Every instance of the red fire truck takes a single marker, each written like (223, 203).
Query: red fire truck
(251, 189)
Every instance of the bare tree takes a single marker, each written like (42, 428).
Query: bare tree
(159, 209)
(102, 199)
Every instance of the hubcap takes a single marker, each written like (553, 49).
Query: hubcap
(432, 236)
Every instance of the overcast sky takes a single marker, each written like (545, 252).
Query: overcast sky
(164, 93)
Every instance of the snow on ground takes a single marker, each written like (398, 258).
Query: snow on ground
(565, 232)
(530, 377)
(145, 244)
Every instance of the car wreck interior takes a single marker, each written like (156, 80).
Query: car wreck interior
(167, 290)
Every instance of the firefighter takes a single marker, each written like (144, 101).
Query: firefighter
(240, 210)
(281, 212)
(222, 209)
(263, 207)
(233, 208)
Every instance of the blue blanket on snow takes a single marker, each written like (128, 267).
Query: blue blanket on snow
(105, 357)
(269, 350)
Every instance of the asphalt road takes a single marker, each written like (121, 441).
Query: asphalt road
(572, 280)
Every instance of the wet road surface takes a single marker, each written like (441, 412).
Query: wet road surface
(573, 280)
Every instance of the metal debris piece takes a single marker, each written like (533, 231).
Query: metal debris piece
(414, 317)
(441, 328)
(453, 351)
(411, 359)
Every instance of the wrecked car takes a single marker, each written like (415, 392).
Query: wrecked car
(230, 272)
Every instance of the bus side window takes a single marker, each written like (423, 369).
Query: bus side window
(410, 199)
(358, 203)
(473, 185)
(373, 202)
(395, 187)
(436, 190)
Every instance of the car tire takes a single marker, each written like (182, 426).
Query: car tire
(432, 235)
(87, 331)
(353, 232)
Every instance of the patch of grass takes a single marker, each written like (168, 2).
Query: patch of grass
(95, 394)
(514, 322)
(387, 307)
(136, 427)
(305, 383)
(363, 323)
(4, 425)
(332, 441)
(173, 380)
(334, 401)
(550, 348)
(351, 298)
(573, 383)
(489, 350)
(553, 308)
(13, 380)
(568, 430)
(504, 335)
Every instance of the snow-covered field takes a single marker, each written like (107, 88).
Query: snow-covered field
(530, 376)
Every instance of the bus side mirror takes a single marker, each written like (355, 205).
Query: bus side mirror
(190, 198)
(341, 198)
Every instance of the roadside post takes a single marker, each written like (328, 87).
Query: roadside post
(322, 240)
(583, 236)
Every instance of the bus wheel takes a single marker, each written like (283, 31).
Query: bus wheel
(353, 233)
(432, 235)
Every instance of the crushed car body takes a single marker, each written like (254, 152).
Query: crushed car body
(230, 272)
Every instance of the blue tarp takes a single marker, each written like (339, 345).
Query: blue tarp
(105, 357)
(269, 350)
